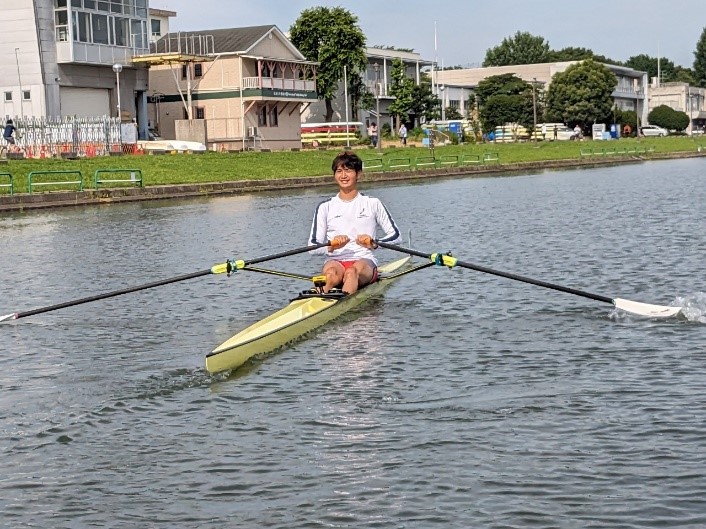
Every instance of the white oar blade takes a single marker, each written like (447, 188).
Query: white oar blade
(8, 317)
(645, 309)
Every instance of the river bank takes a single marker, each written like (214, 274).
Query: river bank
(266, 182)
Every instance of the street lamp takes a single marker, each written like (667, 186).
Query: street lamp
(376, 67)
(19, 80)
(443, 110)
(534, 108)
(117, 68)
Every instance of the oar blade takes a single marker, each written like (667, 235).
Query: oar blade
(8, 317)
(646, 309)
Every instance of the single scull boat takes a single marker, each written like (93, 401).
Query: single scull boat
(305, 313)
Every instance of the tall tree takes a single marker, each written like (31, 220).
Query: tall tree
(581, 94)
(522, 48)
(402, 89)
(332, 37)
(653, 65)
(505, 99)
(700, 60)
(424, 103)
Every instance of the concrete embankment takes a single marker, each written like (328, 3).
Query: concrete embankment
(21, 202)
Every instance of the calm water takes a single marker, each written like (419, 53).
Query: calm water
(458, 400)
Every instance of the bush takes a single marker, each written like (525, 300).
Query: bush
(665, 116)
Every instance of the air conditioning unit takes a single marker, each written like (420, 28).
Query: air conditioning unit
(252, 132)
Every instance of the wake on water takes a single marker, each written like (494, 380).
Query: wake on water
(694, 307)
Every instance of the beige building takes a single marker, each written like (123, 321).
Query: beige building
(681, 97)
(230, 88)
(453, 85)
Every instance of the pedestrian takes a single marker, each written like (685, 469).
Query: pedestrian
(373, 133)
(349, 221)
(544, 131)
(403, 134)
(8, 132)
(577, 132)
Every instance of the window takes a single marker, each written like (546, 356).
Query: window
(198, 70)
(121, 31)
(76, 3)
(100, 28)
(8, 96)
(26, 95)
(274, 118)
(81, 23)
(89, 4)
(262, 116)
(156, 26)
(184, 70)
(199, 113)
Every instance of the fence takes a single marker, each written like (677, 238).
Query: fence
(41, 137)
(430, 162)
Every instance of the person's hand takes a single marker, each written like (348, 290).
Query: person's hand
(366, 240)
(339, 241)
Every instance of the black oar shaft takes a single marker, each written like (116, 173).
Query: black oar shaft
(515, 277)
(111, 294)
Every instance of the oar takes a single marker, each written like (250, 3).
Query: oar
(634, 307)
(221, 268)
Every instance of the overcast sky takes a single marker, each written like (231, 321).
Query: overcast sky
(617, 29)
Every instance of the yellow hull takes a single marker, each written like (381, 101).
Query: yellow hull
(291, 322)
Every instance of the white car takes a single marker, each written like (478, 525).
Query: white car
(654, 130)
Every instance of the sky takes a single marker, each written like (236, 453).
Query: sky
(466, 29)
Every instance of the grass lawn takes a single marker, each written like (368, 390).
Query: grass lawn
(221, 167)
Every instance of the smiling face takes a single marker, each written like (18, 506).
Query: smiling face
(346, 178)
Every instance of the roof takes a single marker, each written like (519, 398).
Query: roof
(219, 41)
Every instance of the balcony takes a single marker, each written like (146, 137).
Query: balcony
(279, 87)
(98, 54)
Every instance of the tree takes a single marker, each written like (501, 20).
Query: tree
(402, 89)
(652, 65)
(360, 96)
(332, 37)
(700, 60)
(581, 94)
(522, 48)
(665, 116)
(505, 99)
(424, 102)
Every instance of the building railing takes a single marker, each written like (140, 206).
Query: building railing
(280, 83)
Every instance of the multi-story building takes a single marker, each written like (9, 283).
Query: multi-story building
(236, 88)
(629, 93)
(68, 58)
(684, 98)
(377, 79)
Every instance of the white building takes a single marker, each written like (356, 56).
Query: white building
(681, 97)
(59, 55)
(629, 93)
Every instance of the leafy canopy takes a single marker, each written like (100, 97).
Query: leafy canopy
(522, 48)
(665, 116)
(402, 89)
(581, 94)
(700, 60)
(505, 99)
(332, 37)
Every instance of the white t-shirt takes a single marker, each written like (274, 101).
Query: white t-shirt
(362, 215)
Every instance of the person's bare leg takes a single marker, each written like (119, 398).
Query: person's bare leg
(333, 271)
(358, 275)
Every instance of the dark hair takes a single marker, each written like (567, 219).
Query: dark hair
(9, 122)
(347, 160)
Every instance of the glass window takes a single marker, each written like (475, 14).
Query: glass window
(156, 25)
(198, 70)
(121, 31)
(141, 3)
(184, 70)
(103, 6)
(59, 3)
(262, 116)
(76, 3)
(139, 37)
(200, 113)
(141, 12)
(99, 24)
(89, 4)
(61, 17)
(8, 96)
(84, 27)
(62, 34)
(26, 95)
(274, 117)
(116, 7)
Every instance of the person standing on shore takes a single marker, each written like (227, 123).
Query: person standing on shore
(403, 135)
(349, 221)
(373, 133)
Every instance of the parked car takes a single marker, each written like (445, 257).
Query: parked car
(653, 130)
(562, 132)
